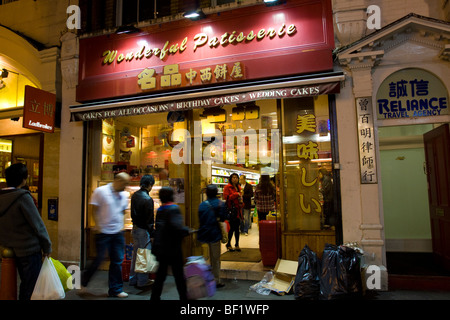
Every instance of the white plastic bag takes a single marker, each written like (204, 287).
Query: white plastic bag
(145, 261)
(48, 285)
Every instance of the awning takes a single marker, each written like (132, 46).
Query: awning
(185, 99)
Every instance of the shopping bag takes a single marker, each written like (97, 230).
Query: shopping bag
(63, 274)
(145, 261)
(48, 285)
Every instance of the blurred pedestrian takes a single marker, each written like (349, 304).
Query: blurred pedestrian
(22, 228)
(211, 213)
(233, 200)
(142, 216)
(247, 194)
(108, 206)
(264, 197)
(169, 233)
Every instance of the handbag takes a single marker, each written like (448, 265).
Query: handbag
(221, 226)
(48, 285)
(146, 261)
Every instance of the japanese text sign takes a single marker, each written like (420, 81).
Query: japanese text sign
(39, 110)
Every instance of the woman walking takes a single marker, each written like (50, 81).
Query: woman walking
(233, 199)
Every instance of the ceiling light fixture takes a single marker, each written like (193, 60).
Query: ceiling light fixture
(269, 3)
(127, 29)
(194, 15)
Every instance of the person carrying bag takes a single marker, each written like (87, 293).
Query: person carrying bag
(232, 195)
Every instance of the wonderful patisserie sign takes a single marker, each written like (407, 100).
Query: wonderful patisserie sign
(250, 43)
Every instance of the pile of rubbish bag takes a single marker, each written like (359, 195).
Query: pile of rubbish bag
(336, 276)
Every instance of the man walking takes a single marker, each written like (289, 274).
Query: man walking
(142, 216)
(108, 205)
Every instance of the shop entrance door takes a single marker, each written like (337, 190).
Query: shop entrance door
(437, 156)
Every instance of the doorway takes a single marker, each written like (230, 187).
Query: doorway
(408, 234)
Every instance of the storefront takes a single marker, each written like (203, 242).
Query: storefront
(27, 119)
(250, 91)
(399, 91)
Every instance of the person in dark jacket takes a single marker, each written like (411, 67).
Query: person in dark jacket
(247, 194)
(169, 233)
(233, 198)
(211, 212)
(22, 229)
(142, 216)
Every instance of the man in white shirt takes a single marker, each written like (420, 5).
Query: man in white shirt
(108, 205)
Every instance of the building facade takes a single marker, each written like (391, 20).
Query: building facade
(339, 74)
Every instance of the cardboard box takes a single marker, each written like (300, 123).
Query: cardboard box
(283, 276)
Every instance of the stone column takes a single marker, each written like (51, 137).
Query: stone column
(71, 158)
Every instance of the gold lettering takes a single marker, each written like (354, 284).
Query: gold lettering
(156, 51)
(231, 38)
(240, 37)
(271, 33)
(199, 40)
(183, 44)
(148, 53)
(129, 56)
(164, 51)
(214, 42)
(173, 48)
(261, 34)
(291, 29)
(110, 56)
(120, 58)
(140, 54)
(251, 36)
(224, 40)
(282, 30)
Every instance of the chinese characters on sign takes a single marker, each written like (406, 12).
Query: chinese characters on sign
(411, 93)
(172, 76)
(307, 151)
(39, 110)
(366, 141)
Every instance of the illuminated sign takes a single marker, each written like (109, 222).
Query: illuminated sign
(411, 93)
(39, 110)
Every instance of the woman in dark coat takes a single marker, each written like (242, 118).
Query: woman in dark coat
(233, 199)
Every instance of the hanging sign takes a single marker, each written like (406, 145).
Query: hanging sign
(39, 110)
(411, 93)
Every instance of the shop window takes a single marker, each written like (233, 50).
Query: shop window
(137, 145)
(308, 179)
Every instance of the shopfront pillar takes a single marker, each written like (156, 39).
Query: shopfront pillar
(71, 158)
(361, 201)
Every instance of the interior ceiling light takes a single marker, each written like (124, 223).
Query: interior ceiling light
(127, 29)
(194, 15)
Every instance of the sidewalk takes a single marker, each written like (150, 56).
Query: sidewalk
(234, 290)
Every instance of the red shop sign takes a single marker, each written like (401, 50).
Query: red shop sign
(250, 43)
(39, 110)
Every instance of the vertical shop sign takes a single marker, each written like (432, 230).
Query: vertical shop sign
(366, 141)
(39, 110)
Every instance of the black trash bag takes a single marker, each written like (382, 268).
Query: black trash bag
(341, 273)
(307, 279)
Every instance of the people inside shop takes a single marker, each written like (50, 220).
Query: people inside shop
(22, 229)
(326, 189)
(233, 200)
(247, 194)
(108, 206)
(211, 213)
(169, 233)
(142, 216)
(265, 194)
